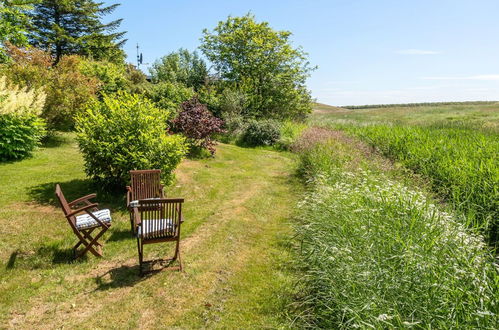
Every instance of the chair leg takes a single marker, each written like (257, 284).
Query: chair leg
(177, 254)
(140, 248)
(89, 246)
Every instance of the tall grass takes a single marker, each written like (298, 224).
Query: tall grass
(462, 164)
(381, 255)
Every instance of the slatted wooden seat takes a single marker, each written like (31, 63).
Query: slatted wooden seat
(144, 184)
(159, 221)
(84, 217)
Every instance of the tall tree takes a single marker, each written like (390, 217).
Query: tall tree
(13, 21)
(182, 67)
(262, 63)
(66, 27)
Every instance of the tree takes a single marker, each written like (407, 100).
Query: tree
(66, 27)
(262, 64)
(13, 21)
(182, 67)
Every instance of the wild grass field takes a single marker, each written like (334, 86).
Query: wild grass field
(401, 217)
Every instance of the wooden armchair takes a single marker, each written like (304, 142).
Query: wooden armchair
(84, 217)
(158, 221)
(145, 184)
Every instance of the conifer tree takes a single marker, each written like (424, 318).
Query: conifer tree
(74, 27)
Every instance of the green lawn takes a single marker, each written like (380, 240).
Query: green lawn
(234, 247)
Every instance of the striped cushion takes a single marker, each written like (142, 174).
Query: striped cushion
(156, 228)
(136, 202)
(86, 221)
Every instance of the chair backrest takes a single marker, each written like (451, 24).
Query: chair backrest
(145, 184)
(64, 204)
(169, 213)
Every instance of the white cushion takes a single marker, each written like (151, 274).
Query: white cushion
(156, 228)
(86, 221)
(135, 203)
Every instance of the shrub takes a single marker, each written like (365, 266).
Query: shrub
(290, 131)
(67, 89)
(198, 125)
(127, 132)
(208, 95)
(20, 127)
(112, 77)
(169, 96)
(379, 254)
(261, 132)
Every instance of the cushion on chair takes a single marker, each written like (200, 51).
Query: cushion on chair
(86, 221)
(153, 228)
(135, 203)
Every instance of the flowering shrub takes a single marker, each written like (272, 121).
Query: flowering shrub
(127, 132)
(67, 89)
(198, 125)
(20, 127)
(382, 255)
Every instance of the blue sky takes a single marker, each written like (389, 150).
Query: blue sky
(367, 51)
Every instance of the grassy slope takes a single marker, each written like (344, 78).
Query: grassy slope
(470, 113)
(236, 211)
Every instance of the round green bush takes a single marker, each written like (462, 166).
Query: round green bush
(262, 132)
(19, 135)
(126, 132)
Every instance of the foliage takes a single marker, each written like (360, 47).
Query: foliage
(232, 103)
(126, 132)
(210, 96)
(137, 80)
(13, 22)
(462, 164)
(67, 89)
(261, 132)
(381, 255)
(75, 28)
(180, 67)
(262, 64)
(112, 77)
(290, 132)
(168, 95)
(20, 127)
(198, 125)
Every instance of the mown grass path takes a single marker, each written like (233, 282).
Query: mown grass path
(234, 249)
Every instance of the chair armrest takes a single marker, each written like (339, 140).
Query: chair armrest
(136, 216)
(181, 215)
(83, 199)
(84, 208)
(128, 195)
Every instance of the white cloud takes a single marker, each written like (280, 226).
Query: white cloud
(417, 52)
(475, 77)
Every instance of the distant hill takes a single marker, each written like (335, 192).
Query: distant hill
(323, 108)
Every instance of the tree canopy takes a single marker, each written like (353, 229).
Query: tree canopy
(66, 27)
(263, 64)
(13, 22)
(182, 67)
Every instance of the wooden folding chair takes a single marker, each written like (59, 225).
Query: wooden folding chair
(84, 220)
(158, 221)
(145, 184)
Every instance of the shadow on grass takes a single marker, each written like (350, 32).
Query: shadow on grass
(73, 189)
(54, 140)
(120, 235)
(119, 277)
(45, 257)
